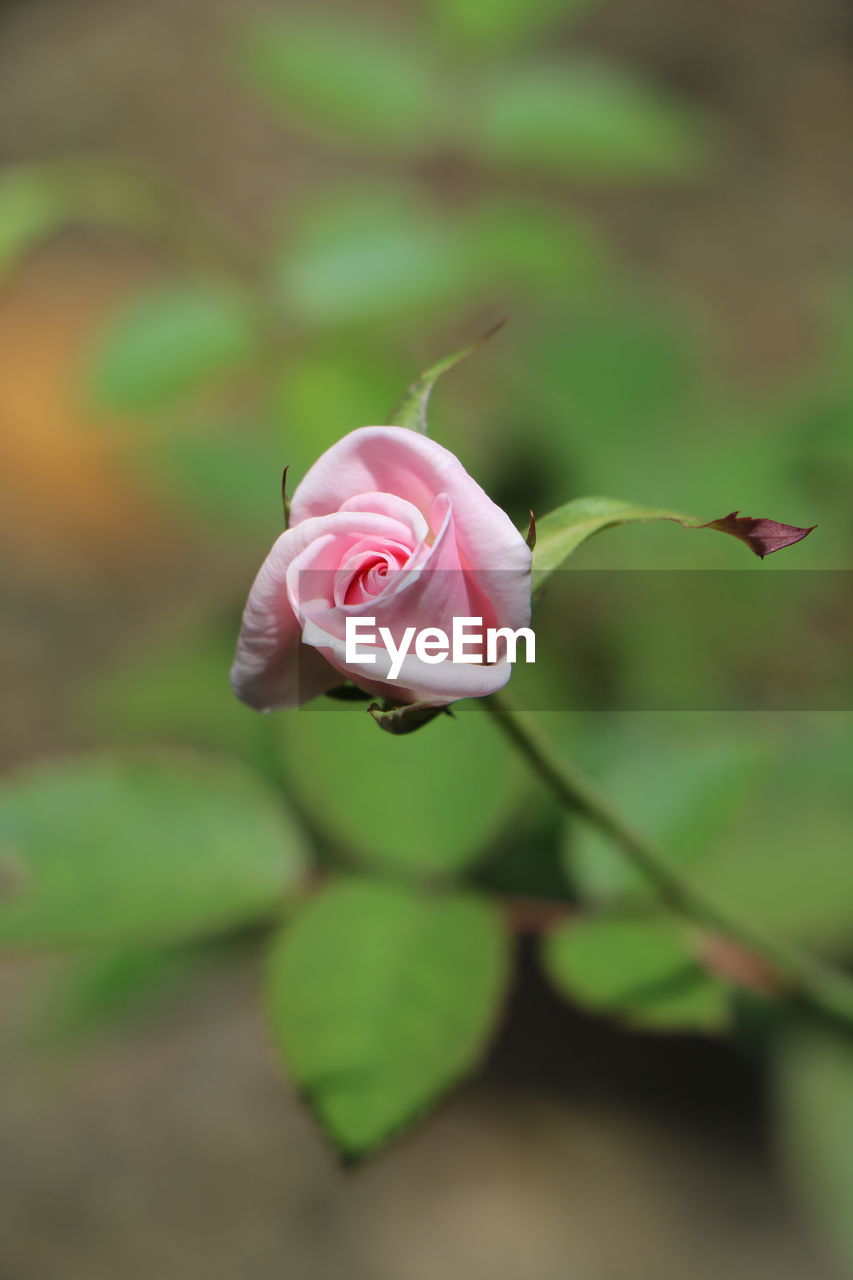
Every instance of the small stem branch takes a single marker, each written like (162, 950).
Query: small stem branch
(820, 984)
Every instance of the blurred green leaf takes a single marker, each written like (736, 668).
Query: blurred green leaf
(524, 861)
(685, 796)
(225, 474)
(629, 431)
(814, 436)
(150, 847)
(432, 801)
(169, 343)
(342, 77)
(525, 246)
(814, 1109)
(639, 970)
(97, 991)
(587, 119)
(499, 24)
(772, 845)
(772, 848)
(657, 361)
(40, 200)
(380, 999)
(841, 345)
(176, 691)
(788, 867)
(366, 258)
(30, 208)
(327, 389)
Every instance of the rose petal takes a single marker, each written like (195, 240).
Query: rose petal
(404, 463)
(388, 504)
(272, 669)
(431, 596)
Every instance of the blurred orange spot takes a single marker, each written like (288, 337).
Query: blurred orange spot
(64, 497)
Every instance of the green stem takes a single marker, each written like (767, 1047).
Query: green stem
(821, 985)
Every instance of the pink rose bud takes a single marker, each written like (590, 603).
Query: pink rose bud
(387, 525)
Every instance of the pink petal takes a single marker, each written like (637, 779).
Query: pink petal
(394, 460)
(430, 596)
(272, 669)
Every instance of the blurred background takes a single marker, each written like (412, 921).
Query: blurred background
(229, 234)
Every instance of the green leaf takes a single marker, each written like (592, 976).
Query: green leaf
(769, 842)
(356, 259)
(30, 209)
(167, 344)
(788, 866)
(524, 861)
(428, 802)
(655, 351)
(562, 531)
(524, 248)
(683, 795)
(380, 999)
(402, 720)
(814, 1116)
(226, 475)
(177, 691)
(639, 970)
(147, 847)
(586, 119)
(343, 78)
(499, 24)
(412, 410)
(37, 201)
(97, 991)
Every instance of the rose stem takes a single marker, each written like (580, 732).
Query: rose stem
(820, 984)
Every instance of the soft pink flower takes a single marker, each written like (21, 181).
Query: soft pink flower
(386, 524)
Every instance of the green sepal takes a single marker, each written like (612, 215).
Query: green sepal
(405, 719)
(411, 412)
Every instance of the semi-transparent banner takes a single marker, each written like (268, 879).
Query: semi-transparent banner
(610, 640)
